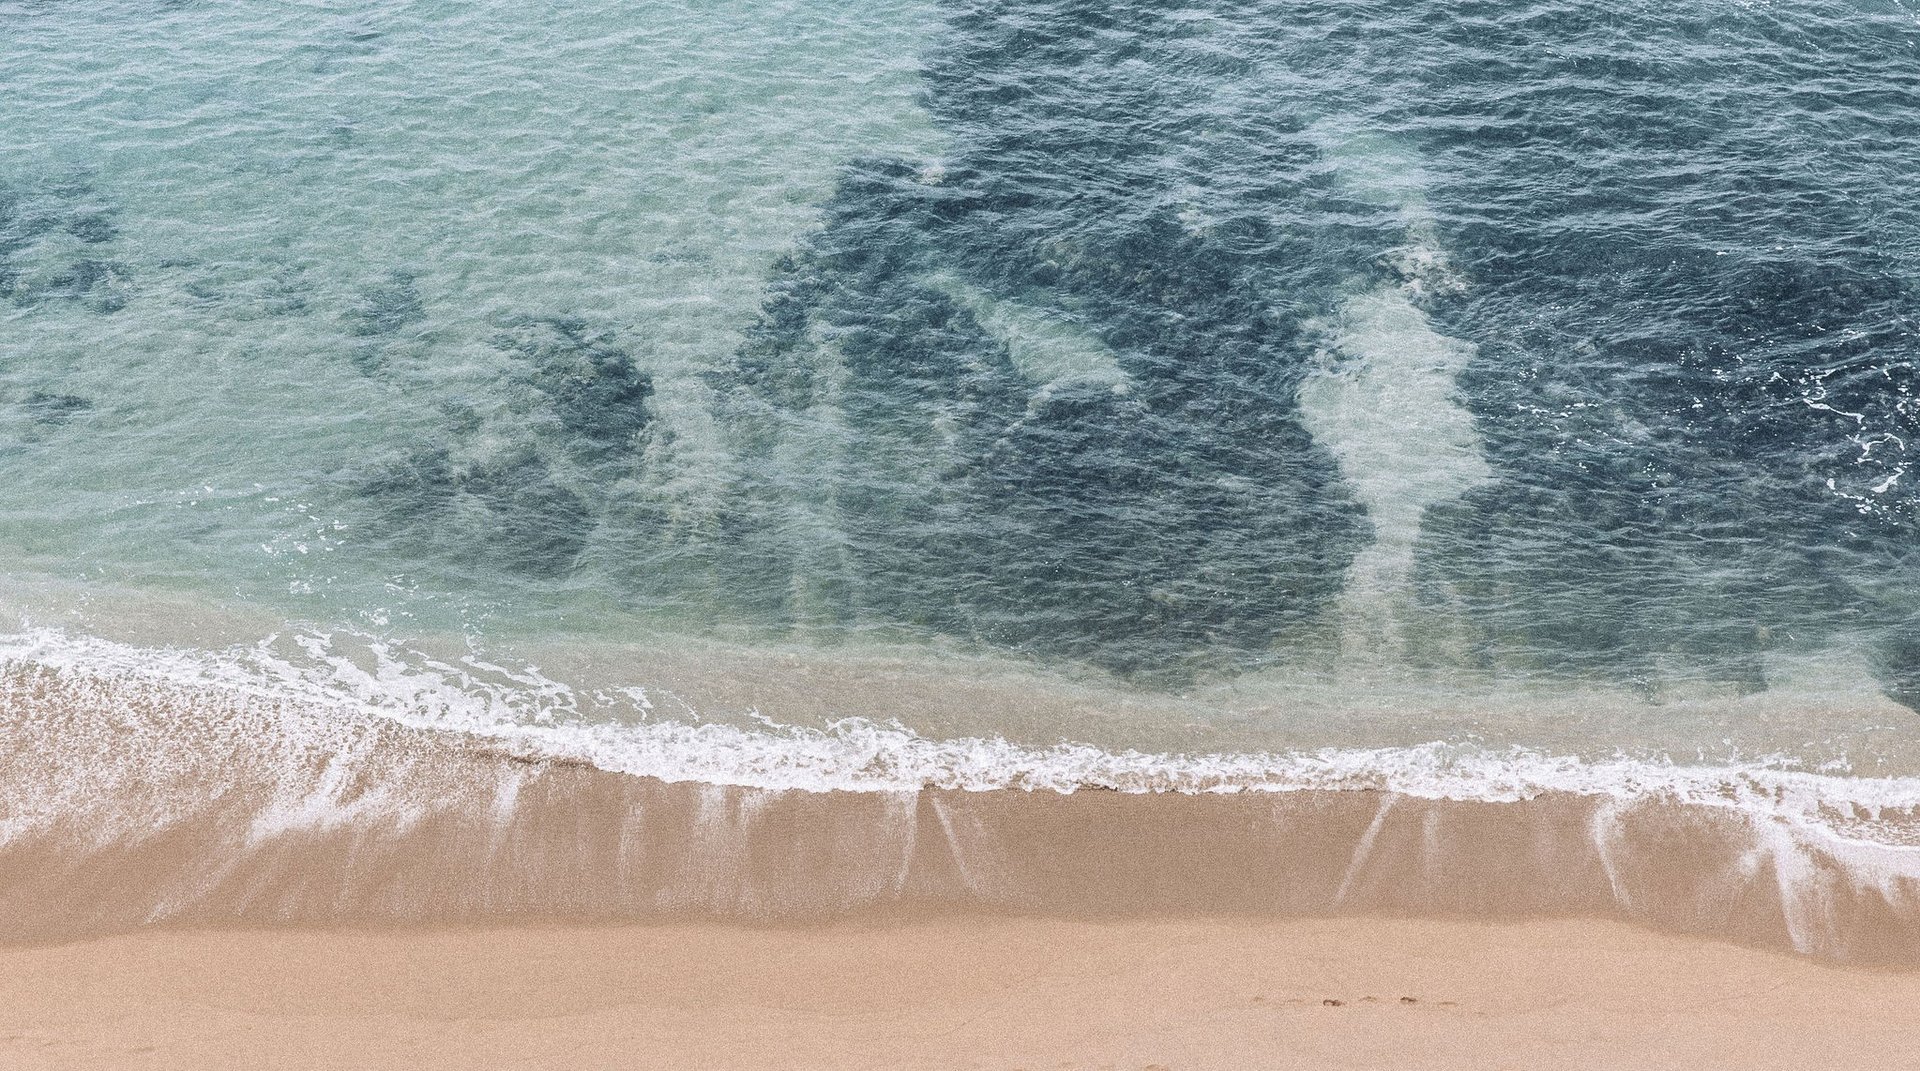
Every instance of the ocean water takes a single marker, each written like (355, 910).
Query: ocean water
(1471, 400)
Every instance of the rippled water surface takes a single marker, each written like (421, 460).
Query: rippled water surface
(1235, 375)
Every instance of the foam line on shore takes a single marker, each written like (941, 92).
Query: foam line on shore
(141, 786)
(533, 717)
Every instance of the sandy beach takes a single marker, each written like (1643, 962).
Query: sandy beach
(953, 992)
(960, 535)
(199, 883)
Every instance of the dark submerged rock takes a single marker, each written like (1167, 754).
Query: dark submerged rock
(92, 228)
(595, 390)
(1178, 522)
(507, 510)
(54, 410)
(387, 307)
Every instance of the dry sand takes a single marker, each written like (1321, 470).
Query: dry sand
(950, 992)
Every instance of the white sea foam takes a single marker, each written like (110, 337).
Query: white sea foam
(533, 716)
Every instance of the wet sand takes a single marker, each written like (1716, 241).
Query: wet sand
(124, 805)
(962, 991)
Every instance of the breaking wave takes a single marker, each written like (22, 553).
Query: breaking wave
(312, 779)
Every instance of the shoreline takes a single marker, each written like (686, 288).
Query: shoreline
(954, 991)
(126, 803)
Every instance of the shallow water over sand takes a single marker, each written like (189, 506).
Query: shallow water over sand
(1476, 403)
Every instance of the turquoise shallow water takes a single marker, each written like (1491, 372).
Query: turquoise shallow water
(1236, 377)
(312, 228)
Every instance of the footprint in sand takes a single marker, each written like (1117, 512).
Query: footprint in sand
(1333, 1002)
